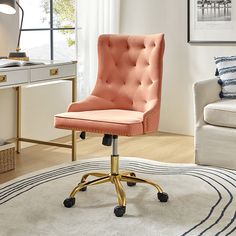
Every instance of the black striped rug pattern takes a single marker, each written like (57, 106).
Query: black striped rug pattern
(214, 177)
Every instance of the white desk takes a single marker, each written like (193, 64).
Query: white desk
(16, 77)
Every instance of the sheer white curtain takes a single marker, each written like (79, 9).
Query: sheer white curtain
(94, 17)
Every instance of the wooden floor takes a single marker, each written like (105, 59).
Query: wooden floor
(160, 146)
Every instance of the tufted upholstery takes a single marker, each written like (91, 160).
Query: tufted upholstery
(129, 79)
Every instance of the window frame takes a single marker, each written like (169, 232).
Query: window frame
(51, 29)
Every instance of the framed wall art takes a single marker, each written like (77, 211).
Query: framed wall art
(211, 21)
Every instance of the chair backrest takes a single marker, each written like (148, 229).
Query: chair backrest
(130, 71)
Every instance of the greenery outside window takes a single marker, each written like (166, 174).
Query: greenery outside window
(49, 29)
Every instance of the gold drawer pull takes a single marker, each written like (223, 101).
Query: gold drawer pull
(54, 72)
(3, 78)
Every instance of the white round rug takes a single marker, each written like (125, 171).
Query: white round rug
(201, 202)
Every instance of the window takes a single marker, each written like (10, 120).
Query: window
(49, 29)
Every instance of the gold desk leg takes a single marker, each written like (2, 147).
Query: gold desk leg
(74, 89)
(74, 99)
(74, 145)
(18, 119)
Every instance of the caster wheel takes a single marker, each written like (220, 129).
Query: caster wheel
(119, 211)
(163, 197)
(83, 189)
(82, 135)
(69, 202)
(131, 184)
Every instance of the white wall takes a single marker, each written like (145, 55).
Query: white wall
(40, 103)
(184, 63)
(8, 33)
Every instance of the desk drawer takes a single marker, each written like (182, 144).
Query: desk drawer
(55, 72)
(13, 77)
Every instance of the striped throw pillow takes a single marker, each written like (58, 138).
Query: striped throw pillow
(226, 68)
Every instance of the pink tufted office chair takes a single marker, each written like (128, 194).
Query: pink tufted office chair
(125, 101)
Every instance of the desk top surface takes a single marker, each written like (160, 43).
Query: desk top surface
(47, 63)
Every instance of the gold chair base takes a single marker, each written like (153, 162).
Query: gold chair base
(115, 179)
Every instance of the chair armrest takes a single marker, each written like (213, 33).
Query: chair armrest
(205, 92)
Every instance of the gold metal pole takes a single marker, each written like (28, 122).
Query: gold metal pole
(45, 143)
(74, 145)
(74, 89)
(115, 156)
(18, 119)
(74, 99)
(114, 164)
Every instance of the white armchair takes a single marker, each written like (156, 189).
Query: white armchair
(215, 126)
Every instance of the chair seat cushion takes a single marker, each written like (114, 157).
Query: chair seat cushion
(221, 113)
(113, 121)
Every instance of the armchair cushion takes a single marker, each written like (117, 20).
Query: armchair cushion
(221, 113)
